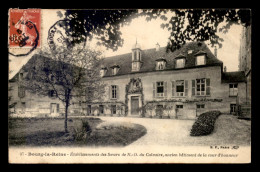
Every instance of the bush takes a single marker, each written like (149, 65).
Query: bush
(159, 111)
(82, 131)
(204, 125)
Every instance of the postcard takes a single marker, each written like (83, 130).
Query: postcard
(129, 86)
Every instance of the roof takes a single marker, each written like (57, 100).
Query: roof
(37, 58)
(229, 77)
(149, 57)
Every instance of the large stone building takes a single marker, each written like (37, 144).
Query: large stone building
(152, 82)
(245, 66)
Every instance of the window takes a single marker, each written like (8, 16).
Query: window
(180, 88)
(135, 66)
(102, 72)
(200, 106)
(233, 90)
(179, 106)
(20, 76)
(161, 65)
(23, 106)
(135, 55)
(101, 109)
(114, 70)
(233, 108)
(52, 93)
(21, 91)
(200, 86)
(114, 91)
(160, 89)
(179, 63)
(113, 109)
(89, 110)
(200, 60)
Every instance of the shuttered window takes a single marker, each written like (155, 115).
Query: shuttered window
(201, 87)
(207, 86)
(21, 91)
(114, 91)
(173, 88)
(193, 88)
(58, 108)
(233, 90)
(165, 89)
(186, 87)
(154, 91)
(180, 88)
(159, 89)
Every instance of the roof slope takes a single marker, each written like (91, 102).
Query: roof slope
(150, 56)
(228, 77)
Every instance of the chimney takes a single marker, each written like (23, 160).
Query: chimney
(225, 69)
(216, 52)
(157, 47)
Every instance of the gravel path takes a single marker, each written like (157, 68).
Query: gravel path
(171, 132)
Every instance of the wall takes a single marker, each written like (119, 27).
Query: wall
(218, 89)
(219, 98)
(37, 105)
(245, 58)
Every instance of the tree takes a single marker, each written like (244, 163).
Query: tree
(66, 75)
(185, 24)
(10, 97)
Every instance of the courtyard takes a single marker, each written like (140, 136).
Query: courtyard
(171, 132)
(126, 131)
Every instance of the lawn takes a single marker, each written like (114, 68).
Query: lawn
(228, 130)
(50, 132)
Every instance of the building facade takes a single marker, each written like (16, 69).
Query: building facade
(245, 58)
(245, 66)
(153, 83)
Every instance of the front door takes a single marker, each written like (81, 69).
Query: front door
(134, 105)
(53, 108)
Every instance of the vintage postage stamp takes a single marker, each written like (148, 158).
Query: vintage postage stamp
(24, 30)
(129, 86)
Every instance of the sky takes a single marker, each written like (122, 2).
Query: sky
(147, 35)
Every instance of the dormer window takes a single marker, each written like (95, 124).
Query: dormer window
(103, 71)
(200, 60)
(136, 52)
(136, 66)
(180, 63)
(160, 64)
(115, 69)
(20, 76)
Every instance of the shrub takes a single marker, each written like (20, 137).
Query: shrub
(82, 131)
(159, 111)
(204, 125)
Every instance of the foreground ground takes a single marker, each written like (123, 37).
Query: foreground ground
(228, 131)
(50, 132)
(146, 132)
